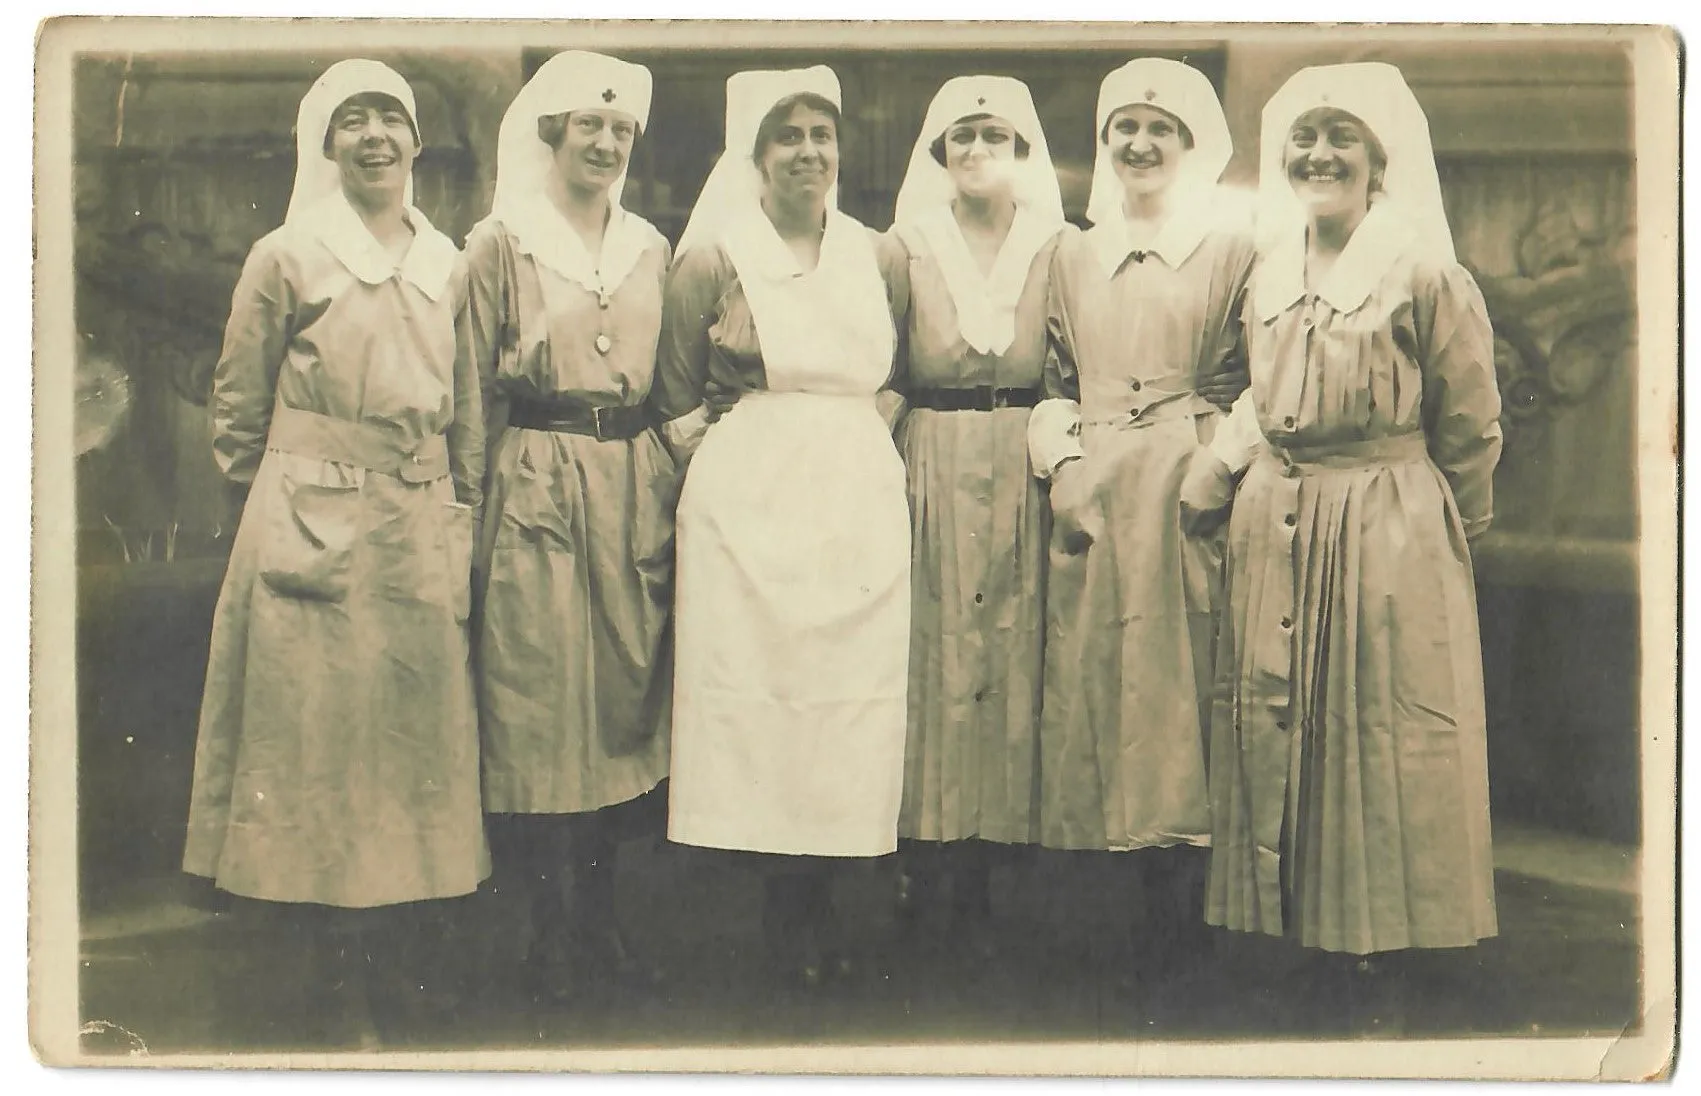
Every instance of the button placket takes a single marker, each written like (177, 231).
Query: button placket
(1283, 613)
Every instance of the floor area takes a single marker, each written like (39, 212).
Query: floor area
(161, 973)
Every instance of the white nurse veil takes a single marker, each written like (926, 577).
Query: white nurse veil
(573, 80)
(316, 175)
(927, 185)
(1376, 94)
(1175, 88)
(985, 306)
(569, 81)
(734, 185)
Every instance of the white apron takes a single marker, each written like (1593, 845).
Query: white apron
(793, 603)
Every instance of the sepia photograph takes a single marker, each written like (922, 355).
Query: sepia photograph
(1120, 549)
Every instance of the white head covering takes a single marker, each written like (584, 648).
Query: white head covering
(318, 205)
(927, 185)
(735, 184)
(574, 80)
(317, 175)
(985, 303)
(1377, 95)
(569, 81)
(1178, 89)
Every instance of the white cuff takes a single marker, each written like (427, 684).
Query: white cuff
(1238, 440)
(1054, 435)
(685, 433)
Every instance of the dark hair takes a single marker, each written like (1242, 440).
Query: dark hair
(377, 100)
(1180, 126)
(937, 148)
(781, 111)
(552, 128)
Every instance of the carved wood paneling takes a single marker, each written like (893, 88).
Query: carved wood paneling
(1552, 242)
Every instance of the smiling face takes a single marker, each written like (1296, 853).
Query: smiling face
(1146, 148)
(979, 153)
(1333, 162)
(592, 148)
(798, 153)
(373, 142)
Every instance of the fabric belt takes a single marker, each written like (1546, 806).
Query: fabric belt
(569, 416)
(1167, 407)
(982, 397)
(322, 437)
(1370, 453)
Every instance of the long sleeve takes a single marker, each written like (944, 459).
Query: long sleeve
(481, 328)
(1461, 412)
(466, 433)
(695, 286)
(1054, 428)
(246, 377)
(895, 271)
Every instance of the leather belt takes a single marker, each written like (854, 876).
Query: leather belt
(982, 397)
(567, 416)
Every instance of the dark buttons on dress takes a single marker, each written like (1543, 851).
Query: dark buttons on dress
(980, 695)
(1287, 622)
(1291, 520)
(1281, 724)
(1135, 385)
(980, 599)
(1288, 422)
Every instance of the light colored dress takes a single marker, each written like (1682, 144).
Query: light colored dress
(1131, 622)
(1349, 775)
(577, 565)
(979, 532)
(337, 760)
(794, 592)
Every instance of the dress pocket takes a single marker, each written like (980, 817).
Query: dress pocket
(536, 511)
(310, 540)
(458, 553)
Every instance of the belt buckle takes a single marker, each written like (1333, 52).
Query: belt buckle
(597, 423)
(985, 397)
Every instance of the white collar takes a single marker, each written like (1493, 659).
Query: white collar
(762, 253)
(428, 264)
(985, 303)
(539, 230)
(1380, 239)
(1182, 232)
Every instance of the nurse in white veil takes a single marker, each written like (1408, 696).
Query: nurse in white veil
(978, 219)
(1349, 774)
(1143, 357)
(562, 316)
(336, 769)
(794, 597)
